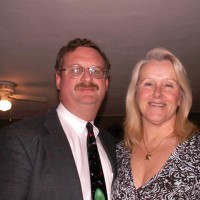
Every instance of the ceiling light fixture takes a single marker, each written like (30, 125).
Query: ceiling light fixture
(5, 105)
(6, 89)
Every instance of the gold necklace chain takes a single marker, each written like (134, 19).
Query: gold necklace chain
(149, 153)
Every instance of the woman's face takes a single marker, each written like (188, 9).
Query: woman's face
(158, 92)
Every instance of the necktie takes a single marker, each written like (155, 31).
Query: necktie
(98, 185)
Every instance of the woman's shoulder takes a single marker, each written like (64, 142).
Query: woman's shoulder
(191, 147)
(121, 150)
(120, 146)
(195, 140)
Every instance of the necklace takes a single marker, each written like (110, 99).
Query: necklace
(149, 153)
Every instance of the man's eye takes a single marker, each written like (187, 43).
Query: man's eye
(75, 70)
(95, 71)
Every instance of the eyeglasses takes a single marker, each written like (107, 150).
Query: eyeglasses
(75, 71)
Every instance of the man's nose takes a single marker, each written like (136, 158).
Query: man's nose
(86, 75)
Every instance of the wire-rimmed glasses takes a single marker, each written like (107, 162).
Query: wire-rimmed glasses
(75, 71)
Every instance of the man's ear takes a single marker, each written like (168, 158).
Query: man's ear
(107, 84)
(58, 80)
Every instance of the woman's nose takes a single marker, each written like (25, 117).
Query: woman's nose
(157, 93)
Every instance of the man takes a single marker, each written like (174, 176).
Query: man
(46, 157)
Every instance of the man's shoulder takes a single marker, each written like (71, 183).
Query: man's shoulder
(105, 134)
(26, 123)
(30, 125)
(108, 139)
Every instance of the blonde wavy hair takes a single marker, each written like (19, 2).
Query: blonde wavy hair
(133, 130)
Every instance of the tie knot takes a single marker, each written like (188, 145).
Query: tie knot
(89, 127)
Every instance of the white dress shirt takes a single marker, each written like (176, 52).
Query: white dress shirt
(76, 132)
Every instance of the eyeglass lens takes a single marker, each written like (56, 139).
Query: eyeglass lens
(76, 71)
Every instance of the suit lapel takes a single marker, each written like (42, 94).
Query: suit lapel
(61, 159)
(109, 146)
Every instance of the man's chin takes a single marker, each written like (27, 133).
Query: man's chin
(88, 99)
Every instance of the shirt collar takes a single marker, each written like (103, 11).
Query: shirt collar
(78, 124)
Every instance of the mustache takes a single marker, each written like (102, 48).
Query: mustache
(86, 85)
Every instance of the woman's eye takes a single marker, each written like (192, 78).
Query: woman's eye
(169, 85)
(147, 84)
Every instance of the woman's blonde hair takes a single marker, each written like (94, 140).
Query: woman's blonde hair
(133, 130)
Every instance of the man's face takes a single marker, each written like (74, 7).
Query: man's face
(83, 90)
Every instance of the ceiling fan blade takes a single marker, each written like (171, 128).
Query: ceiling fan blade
(28, 98)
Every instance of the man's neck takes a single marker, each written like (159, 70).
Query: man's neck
(86, 113)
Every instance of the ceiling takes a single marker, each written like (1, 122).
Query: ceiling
(32, 32)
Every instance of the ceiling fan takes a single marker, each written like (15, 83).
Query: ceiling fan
(7, 90)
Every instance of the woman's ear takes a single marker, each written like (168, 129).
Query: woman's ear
(180, 99)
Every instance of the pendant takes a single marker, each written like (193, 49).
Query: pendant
(148, 157)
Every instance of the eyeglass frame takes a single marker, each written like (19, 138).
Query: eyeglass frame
(105, 72)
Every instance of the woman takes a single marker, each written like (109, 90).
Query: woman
(159, 157)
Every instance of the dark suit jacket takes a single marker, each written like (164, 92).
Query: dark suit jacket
(36, 162)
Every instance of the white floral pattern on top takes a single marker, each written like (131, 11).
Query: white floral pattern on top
(179, 179)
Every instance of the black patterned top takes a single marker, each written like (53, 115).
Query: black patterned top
(178, 179)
